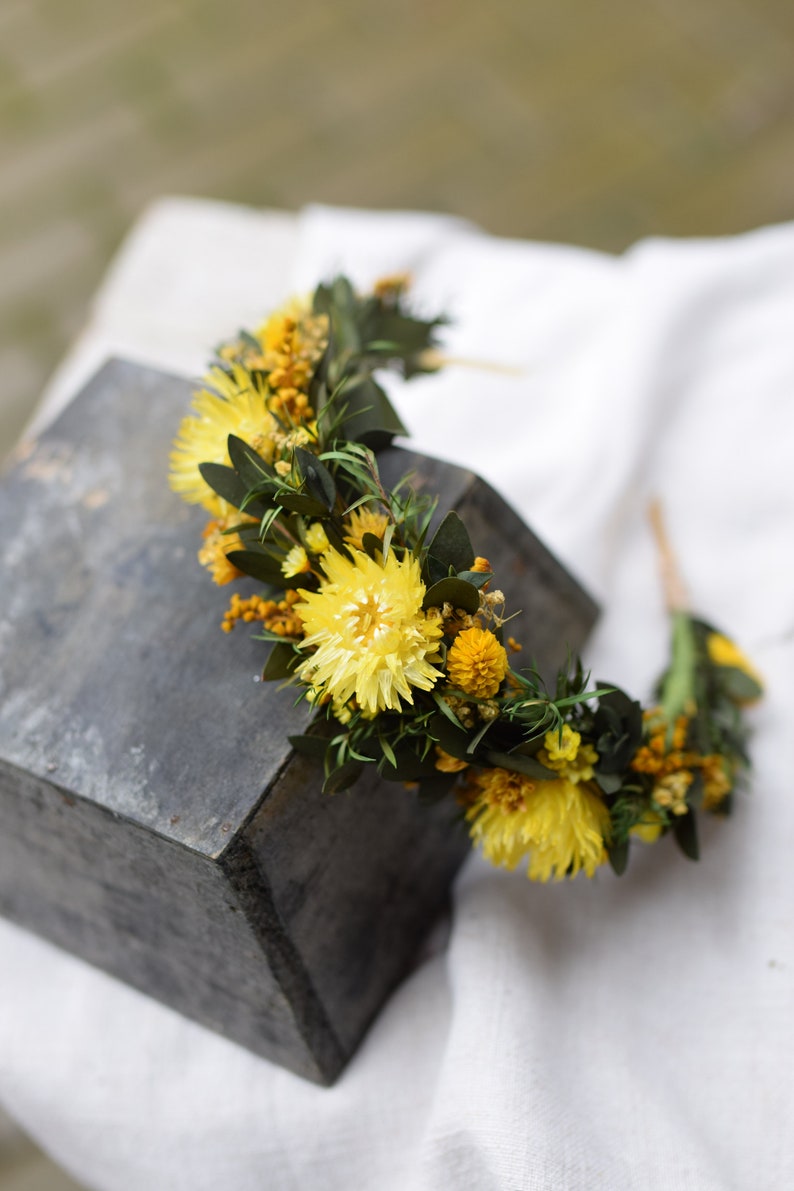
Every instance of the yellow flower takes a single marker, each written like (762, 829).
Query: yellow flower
(233, 405)
(561, 825)
(276, 327)
(277, 616)
(296, 562)
(446, 763)
(476, 663)
(316, 538)
(649, 827)
(371, 637)
(716, 780)
(723, 652)
(562, 746)
(567, 755)
(391, 287)
(217, 545)
(670, 791)
(364, 520)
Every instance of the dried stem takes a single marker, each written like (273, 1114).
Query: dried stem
(431, 358)
(675, 592)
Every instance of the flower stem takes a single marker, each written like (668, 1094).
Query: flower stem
(675, 592)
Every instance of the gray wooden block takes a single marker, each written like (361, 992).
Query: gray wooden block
(153, 818)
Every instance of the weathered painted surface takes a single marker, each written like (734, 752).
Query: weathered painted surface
(152, 816)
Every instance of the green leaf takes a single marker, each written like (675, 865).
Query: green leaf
(678, 683)
(335, 538)
(454, 591)
(342, 312)
(373, 546)
(309, 745)
(281, 662)
(451, 544)
(477, 579)
(258, 565)
(370, 417)
(409, 768)
(618, 854)
(248, 463)
(318, 478)
(738, 685)
(298, 502)
(686, 836)
(610, 783)
(617, 728)
(343, 777)
(388, 751)
(452, 738)
(519, 763)
(437, 788)
(224, 481)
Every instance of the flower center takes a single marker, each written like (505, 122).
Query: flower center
(369, 619)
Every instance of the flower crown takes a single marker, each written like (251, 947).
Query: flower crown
(396, 633)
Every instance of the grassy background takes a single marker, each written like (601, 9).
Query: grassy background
(562, 119)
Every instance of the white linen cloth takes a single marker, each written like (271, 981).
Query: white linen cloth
(613, 1033)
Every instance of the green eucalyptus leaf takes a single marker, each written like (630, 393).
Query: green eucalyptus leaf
(454, 591)
(317, 477)
(738, 685)
(335, 538)
(373, 546)
(686, 836)
(258, 565)
(343, 777)
(298, 502)
(280, 663)
(477, 579)
(519, 763)
(451, 543)
(437, 788)
(309, 745)
(610, 783)
(248, 463)
(450, 737)
(409, 768)
(617, 728)
(618, 854)
(370, 417)
(225, 481)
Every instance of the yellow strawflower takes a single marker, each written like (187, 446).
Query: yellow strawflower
(566, 754)
(372, 640)
(563, 746)
(364, 520)
(232, 405)
(476, 663)
(295, 563)
(316, 538)
(561, 825)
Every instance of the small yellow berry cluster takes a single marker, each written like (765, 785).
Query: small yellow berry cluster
(278, 616)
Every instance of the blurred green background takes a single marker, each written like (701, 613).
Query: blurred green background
(565, 120)
(590, 123)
